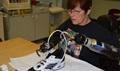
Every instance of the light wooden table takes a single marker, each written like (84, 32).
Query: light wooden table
(15, 48)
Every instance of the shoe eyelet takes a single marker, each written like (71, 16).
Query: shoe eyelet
(42, 63)
(38, 66)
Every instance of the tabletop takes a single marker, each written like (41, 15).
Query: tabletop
(15, 48)
(18, 47)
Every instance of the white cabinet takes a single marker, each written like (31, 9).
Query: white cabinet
(1, 27)
(19, 26)
(42, 21)
(42, 26)
(55, 17)
(31, 26)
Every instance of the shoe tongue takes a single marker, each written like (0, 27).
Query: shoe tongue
(52, 57)
(51, 50)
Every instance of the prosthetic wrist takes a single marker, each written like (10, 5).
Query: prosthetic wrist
(99, 47)
(80, 39)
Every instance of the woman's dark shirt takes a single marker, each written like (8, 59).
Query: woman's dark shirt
(92, 30)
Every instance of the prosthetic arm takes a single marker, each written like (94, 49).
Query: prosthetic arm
(99, 47)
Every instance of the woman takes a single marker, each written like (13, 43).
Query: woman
(80, 22)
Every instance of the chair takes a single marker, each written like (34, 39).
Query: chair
(110, 23)
(113, 11)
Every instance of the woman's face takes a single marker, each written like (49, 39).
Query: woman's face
(78, 16)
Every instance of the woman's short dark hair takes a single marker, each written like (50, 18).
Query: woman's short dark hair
(84, 4)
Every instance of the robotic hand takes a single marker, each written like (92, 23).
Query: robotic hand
(45, 47)
(99, 47)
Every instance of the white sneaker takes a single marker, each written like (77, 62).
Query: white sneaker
(53, 61)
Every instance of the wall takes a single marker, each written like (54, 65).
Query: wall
(64, 4)
(101, 7)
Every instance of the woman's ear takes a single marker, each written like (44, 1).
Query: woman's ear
(89, 11)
